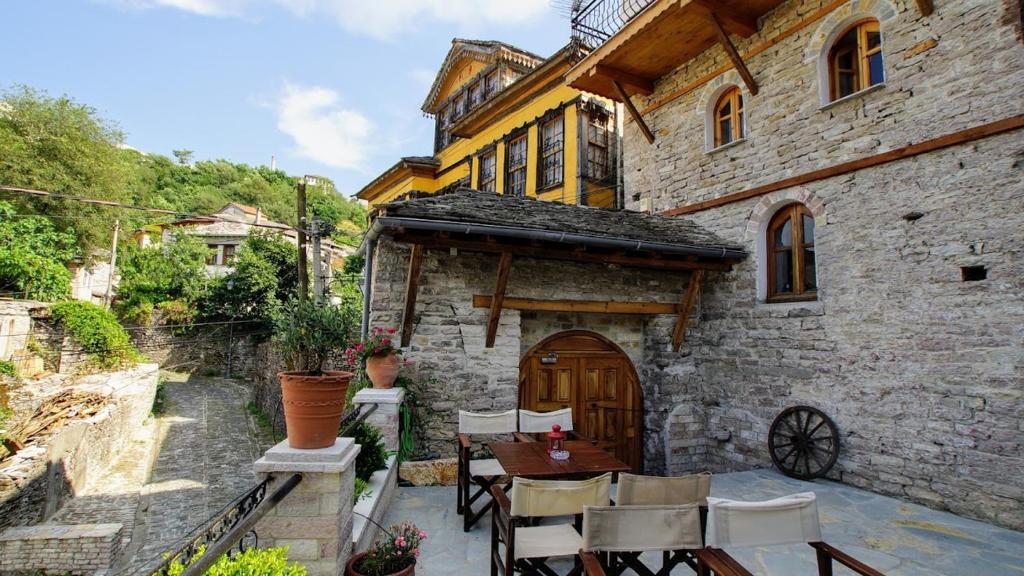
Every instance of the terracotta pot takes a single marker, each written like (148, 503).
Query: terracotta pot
(313, 406)
(382, 370)
(351, 571)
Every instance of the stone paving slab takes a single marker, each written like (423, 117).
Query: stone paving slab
(896, 537)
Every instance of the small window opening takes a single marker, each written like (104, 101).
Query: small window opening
(973, 273)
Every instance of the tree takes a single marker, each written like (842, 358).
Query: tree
(184, 156)
(34, 256)
(265, 276)
(58, 145)
(162, 273)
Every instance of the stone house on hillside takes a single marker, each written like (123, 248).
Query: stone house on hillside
(856, 163)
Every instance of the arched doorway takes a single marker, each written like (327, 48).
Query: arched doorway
(593, 376)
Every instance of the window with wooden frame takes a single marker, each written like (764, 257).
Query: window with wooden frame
(459, 105)
(729, 120)
(228, 257)
(213, 256)
(476, 94)
(790, 252)
(855, 60)
(487, 171)
(491, 84)
(597, 146)
(515, 166)
(443, 121)
(552, 146)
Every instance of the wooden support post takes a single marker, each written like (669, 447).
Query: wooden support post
(412, 284)
(499, 297)
(737, 60)
(633, 112)
(689, 301)
(925, 7)
(300, 205)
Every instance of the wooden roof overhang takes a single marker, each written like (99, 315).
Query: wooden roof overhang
(405, 168)
(509, 242)
(659, 39)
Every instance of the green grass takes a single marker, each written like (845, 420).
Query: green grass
(159, 399)
(264, 423)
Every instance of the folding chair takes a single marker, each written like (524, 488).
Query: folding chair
(538, 423)
(615, 536)
(481, 473)
(636, 490)
(787, 520)
(528, 547)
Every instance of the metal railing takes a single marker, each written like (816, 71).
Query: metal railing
(595, 21)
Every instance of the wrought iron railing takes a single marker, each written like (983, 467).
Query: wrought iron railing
(595, 21)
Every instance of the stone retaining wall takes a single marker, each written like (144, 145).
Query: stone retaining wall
(83, 549)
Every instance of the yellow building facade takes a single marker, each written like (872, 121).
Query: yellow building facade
(506, 122)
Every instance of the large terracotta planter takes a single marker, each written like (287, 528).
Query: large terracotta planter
(313, 406)
(382, 370)
(351, 571)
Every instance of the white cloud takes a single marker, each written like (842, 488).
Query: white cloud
(323, 129)
(382, 19)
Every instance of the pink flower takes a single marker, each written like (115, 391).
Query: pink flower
(400, 542)
(359, 347)
(423, 535)
(391, 330)
(386, 342)
(416, 552)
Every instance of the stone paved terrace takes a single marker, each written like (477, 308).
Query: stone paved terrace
(898, 538)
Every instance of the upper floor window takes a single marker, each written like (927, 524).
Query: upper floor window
(459, 105)
(790, 252)
(213, 254)
(491, 84)
(443, 121)
(229, 254)
(729, 121)
(515, 172)
(855, 60)
(551, 147)
(488, 171)
(476, 94)
(597, 146)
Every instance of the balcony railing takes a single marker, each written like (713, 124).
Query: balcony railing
(595, 21)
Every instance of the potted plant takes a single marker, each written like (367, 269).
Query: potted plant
(380, 355)
(313, 398)
(393, 555)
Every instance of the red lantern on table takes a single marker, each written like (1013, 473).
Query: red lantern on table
(556, 443)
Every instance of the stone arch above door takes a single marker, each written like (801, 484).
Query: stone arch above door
(596, 378)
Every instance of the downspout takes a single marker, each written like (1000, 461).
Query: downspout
(371, 245)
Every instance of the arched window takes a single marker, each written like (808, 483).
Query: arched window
(790, 252)
(855, 60)
(728, 117)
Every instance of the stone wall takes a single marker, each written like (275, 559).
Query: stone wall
(83, 549)
(447, 346)
(36, 481)
(205, 347)
(920, 370)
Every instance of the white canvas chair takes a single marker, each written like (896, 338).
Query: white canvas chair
(787, 520)
(615, 536)
(480, 473)
(528, 547)
(531, 422)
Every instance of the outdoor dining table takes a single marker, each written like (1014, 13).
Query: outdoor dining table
(531, 460)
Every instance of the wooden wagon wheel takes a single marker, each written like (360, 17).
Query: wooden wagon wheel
(803, 442)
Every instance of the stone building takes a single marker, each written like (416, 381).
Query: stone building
(883, 138)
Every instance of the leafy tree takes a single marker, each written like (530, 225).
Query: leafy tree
(184, 156)
(34, 256)
(97, 331)
(162, 273)
(265, 276)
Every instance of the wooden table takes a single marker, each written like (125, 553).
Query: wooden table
(531, 460)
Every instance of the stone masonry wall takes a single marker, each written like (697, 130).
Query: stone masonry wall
(923, 373)
(80, 550)
(447, 347)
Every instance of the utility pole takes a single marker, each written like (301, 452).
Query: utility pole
(303, 271)
(318, 261)
(113, 264)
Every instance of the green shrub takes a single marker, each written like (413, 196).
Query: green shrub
(362, 490)
(372, 456)
(98, 333)
(252, 562)
(7, 369)
(308, 334)
(153, 276)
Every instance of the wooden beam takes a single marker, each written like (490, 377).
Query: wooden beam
(739, 23)
(638, 84)
(633, 111)
(650, 262)
(737, 60)
(925, 7)
(689, 301)
(954, 139)
(412, 283)
(585, 306)
(504, 265)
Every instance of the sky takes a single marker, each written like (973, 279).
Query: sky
(329, 87)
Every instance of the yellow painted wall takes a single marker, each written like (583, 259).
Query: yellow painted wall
(459, 75)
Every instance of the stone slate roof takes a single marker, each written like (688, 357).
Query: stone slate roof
(476, 207)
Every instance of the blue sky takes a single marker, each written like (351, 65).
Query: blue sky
(330, 87)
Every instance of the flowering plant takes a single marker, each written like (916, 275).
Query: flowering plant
(380, 342)
(395, 551)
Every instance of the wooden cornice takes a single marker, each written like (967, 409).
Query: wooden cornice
(579, 306)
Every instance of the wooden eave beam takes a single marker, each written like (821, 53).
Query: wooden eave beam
(734, 56)
(689, 301)
(412, 283)
(579, 306)
(526, 251)
(638, 84)
(504, 266)
(735, 21)
(925, 7)
(633, 112)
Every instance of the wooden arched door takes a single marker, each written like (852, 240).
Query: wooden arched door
(593, 376)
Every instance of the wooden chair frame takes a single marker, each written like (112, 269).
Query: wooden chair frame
(503, 531)
(466, 498)
(719, 562)
(617, 563)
